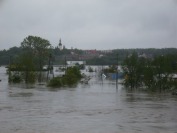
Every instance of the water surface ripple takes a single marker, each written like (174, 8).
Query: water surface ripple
(94, 108)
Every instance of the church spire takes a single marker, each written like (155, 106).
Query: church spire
(60, 41)
(60, 44)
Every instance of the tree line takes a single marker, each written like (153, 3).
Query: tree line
(155, 74)
(106, 59)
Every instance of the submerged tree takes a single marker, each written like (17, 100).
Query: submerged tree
(148, 76)
(32, 59)
(162, 71)
(153, 74)
(38, 49)
(26, 65)
(133, 70)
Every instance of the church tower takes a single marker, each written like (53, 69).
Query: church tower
(60, 45)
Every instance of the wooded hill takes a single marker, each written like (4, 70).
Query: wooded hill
(112, 58)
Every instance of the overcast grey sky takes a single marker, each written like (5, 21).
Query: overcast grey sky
(90, 24)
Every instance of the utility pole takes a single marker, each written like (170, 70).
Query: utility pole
(65, 65)
(50, 67)
(117, 72)
(10, 59)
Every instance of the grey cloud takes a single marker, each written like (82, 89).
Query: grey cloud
(90, 24)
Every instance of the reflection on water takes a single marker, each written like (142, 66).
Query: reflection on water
(20, 94)
(97, 107)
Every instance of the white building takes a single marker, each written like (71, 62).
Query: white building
(73, 63)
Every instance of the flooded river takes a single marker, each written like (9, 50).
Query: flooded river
(97, 107)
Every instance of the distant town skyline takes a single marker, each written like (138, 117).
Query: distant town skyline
(90, 24)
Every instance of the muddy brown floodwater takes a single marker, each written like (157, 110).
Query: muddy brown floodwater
(97, 107)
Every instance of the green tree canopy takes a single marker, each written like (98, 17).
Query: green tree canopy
(37, 45)
(35, 54)
(38, 48)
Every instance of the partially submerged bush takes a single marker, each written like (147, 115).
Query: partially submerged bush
(15, 78)
(71, 77)
(56, 82)
(90, 69)
(27, 77)
(111, 69)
